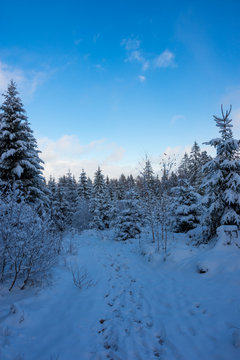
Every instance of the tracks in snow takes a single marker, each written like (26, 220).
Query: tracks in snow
(147, 316)
(126, 329)
(135, 312)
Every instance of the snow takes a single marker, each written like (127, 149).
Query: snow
(7, 154)
(18, 170)
(129, 307)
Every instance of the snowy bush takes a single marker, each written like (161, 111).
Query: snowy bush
(28, 242)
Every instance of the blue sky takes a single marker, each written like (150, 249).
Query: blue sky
(105, 82)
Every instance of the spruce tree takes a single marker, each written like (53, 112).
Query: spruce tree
(20, 165)
(129, 220)
(184, 168)
(100, 206)
(195, 166)
(84, 191)
(185, 207)
(68, 197)
(99, 182)
(147, 179)
(222, 179)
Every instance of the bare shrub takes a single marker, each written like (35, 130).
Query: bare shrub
(81, 277)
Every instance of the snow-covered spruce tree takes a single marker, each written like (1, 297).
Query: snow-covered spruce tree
(100, 206)
(55, 205)
(122, 187)
(20, 165)
(71, 194)
(81, 218)
(195, 165)
(84, 190)
(52, 187)
(60, 210)
(149, 200)
(146, 179)
(183, 169)
(67, 198)
(185, 207)
(129, 219)
(222, 179)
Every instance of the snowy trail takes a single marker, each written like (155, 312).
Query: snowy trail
(135, 311)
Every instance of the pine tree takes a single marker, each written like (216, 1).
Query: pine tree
(129, 220)
(99, 182)
(69, 197)
(20, 165)
(84, 191)
(130, 182)
(148, 198)
(56, 205)
(52, 187)
(184, 168)
(222, 179)
(122, 187)
(147, 179)
(100, 203)
(185, 207)
(195, 166)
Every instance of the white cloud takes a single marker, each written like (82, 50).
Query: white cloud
(142, 78)
(68, 152)
(131, 44)
(27, 81)
(136, 54)
(176, 151)
(145, 65)
(7, 74)
(174, 155)
(165, 59)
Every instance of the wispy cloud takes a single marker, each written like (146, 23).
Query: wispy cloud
(142, 78)
(68, 152)
(27, 80)
(136, 54)
(8, 73)
(165, 59)
(131, 44)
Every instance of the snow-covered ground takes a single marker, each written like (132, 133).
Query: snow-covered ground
(132, 309)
